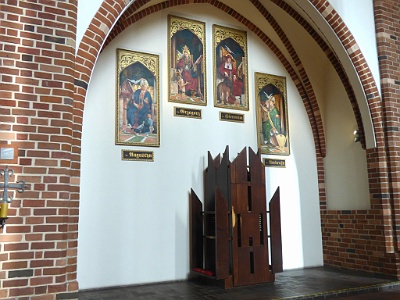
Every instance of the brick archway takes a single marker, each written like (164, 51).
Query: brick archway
(44, 85)
(101, 32)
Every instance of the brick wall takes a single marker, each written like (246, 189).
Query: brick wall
(367, 240)
(387, 14)
(38, 255)
(355, 240)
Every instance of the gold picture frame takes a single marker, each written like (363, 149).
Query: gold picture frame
(230, 68)
(272, 114)
(137, 101)
(186, 61)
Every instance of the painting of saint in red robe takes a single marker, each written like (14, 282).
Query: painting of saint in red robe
(230, 75)
(186, 61)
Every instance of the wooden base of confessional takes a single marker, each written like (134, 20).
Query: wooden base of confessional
(232, 234)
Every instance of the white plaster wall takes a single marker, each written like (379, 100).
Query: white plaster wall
(346, 177)
(86, 11)
(133, 225)
(359, 18)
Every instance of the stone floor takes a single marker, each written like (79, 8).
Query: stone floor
(311, 283)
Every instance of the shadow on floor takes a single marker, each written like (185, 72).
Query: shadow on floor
(311, 283)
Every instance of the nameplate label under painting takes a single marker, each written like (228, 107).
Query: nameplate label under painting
(187, 112)
(277, 163)
(230, 117)
(137, 155)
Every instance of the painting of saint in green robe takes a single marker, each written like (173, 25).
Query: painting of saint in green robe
(273, 129)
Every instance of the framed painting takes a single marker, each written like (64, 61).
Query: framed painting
(272, 114)
(138, 104)
(187, 61)
(230, 68)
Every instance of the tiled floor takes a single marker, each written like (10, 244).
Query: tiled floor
(313, 283)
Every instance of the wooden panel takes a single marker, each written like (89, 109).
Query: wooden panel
(253, 266)
(250, 233)
(239, 168)
(235, 244)
(258, 198)
(235, 222)
(261, 267)
(196, 232)
(222, 237)
(210, 180)
(223, 179)
(209, 255)
(257, 168)
(243, 276)
(240, 197)
(276, 238)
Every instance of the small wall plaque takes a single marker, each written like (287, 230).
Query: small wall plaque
(230, 117)
(8, 154)
(137, 155)
(277, 163)
(187, 112)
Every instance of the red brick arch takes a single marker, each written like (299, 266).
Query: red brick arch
(96, 39)
(298, 74)
(114, 16)
(383, 198)
(42, 102)
(110, 13)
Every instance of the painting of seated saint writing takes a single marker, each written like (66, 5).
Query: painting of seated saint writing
(137, 113)
(187, 59)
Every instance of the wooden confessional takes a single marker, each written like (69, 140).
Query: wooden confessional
(230, 237)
